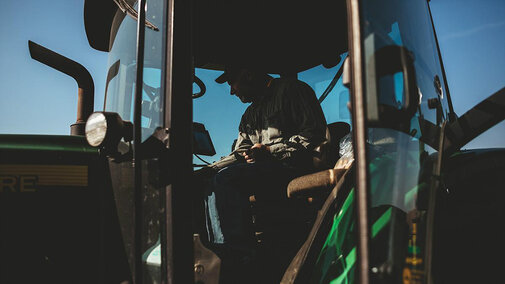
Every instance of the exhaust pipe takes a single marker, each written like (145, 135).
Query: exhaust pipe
(86, 91)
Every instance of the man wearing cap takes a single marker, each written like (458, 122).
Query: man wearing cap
(278, 135)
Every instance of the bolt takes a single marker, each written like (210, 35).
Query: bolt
(199, 269)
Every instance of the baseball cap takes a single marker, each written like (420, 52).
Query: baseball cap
(230, 73)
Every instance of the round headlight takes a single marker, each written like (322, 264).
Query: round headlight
(96, 129)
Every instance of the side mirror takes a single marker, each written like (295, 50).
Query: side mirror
(386, 105)
(106, 129)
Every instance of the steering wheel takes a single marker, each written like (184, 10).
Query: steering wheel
(202, 87)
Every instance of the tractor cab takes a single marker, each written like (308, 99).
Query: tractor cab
(375, 66)
(394, 199)
(308, 43)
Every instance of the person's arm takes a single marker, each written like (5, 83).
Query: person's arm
(243, 143)
(309, 125)
(241, 146)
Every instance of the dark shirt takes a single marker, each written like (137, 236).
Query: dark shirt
(287, 118)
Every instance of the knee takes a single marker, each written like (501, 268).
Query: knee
(228, 175)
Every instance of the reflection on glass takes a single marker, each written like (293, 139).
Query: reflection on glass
(398, 176)
(119, 96)
(121, 88)
(404, 24)
(399, 166)
(399, 162)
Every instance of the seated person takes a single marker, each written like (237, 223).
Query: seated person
(278, 134)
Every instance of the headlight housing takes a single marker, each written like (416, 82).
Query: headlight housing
(96, 129)
(106, 129)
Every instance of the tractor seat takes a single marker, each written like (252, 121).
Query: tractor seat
(281, 211)
(325, 162)
(281, 226)
(315, 185)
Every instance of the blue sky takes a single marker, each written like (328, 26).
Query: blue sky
(471, 35)
(36, 99)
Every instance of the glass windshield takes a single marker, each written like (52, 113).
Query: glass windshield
(397, 178)
(334, 103)
(219, 111)
(399, 161)
(120, 86)
(407, 25)
(400, 149)
(119, 98)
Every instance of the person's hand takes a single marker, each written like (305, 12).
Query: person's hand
(258, 152)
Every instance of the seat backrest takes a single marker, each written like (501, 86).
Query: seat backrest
(329, 150)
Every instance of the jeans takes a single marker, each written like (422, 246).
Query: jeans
(229, 220)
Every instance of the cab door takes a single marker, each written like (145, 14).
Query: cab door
(149, 83)
(400, 106)
(166, 240)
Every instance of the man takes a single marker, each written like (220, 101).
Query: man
(278, 135)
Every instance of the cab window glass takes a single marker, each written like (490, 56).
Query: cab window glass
(335, 103)
(120, 91)
(219, 111)
(119, 97)
(404, 24)
(398, 150)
